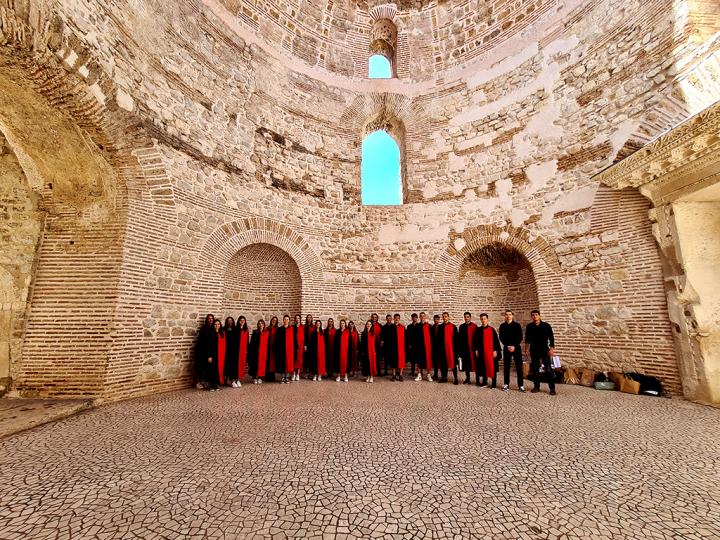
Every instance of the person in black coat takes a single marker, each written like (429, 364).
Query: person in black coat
(386, 346)
(449, 338)
(540, 345)
(202, 350)
(511, 336)
(232, 351)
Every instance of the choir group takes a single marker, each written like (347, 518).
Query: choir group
(225, 353)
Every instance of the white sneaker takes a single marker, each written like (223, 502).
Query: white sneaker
(430, 379)
(506, 387)
(296, 377)
(259, 381)
(371, 379)
(315, 378)
(418, 378)
(337, 379)
(319, 377)
(522, 389)
(346, 378)
(239, 384)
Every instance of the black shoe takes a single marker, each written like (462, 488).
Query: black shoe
(534, 390)
(553, 393)
(442, 380)
(456, 381)
(466, 381)
(400, 378)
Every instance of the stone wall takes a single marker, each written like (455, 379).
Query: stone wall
(262, 281)
(235, 134)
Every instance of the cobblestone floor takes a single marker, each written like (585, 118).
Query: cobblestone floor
(391, 460)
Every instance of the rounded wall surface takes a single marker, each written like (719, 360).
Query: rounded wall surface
(262, 281)
(495, 278)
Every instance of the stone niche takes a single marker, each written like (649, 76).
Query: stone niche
(261, 281)
(497, 277)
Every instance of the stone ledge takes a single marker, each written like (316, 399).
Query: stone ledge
(19, 414)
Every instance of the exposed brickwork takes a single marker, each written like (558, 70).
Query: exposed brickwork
(262, 281)
(241, 126)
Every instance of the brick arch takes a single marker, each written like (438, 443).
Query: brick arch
(543, 260)
(231, 237)
(538, 251)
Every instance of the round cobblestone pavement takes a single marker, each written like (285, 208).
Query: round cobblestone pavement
(390, 460)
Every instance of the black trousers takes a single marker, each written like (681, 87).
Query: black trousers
(538, 358)
(212, 376)
(508, 358)
(444, 371)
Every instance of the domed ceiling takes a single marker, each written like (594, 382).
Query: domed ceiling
(432, 36)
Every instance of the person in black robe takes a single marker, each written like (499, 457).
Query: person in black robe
(410, 338)
(388, 329)
(272, 365)
(318, 352)
(422, 347)
(511, 336)
(215, 356)
(202, 351)
(466, 340)
(368, 351)
(284, 349)
(232, 351)
(487, 350)
(309, 329)
(437, 349)
(449, 351)
(540, 345)
(259, 355)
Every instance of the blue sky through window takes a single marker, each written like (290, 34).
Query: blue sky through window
(379, 67)
(380, 170)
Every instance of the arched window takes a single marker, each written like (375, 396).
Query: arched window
(381, 181)
(379, 67)
(383, 42)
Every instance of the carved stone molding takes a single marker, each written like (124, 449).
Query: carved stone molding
(675, 163)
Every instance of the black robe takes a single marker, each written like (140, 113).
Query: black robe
(202, 352)
(254, 350)
(413, 336)
(232, 352)
(437, 345)
(279, 348)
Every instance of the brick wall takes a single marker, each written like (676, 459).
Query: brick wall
(262, 280)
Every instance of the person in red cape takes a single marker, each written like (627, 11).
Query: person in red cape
(487, 347)
(271, 367)
(368, 351)
(259, 352)
(216, 361)
(399, 348)
(354, 344)
(309, 329)
(317, 352)
(342, 352)
(299, 330)
(422, 347)
(330, 332)
(467, 346)
(232, 348)
(284, 346)
(243, 340)
(413, 353)
(449, 336)
(438, 350)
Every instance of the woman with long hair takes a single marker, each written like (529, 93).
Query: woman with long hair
(330, 332)
(354, 343)
(243, 339)
(202, 351)
(317, 351)
(232, 349)
(300, 347)
(342, 351)
(270, 372)
(368, 352)
(216, 360)
(259, 352)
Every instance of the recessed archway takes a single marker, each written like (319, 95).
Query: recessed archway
(496, 277)
(262, 280)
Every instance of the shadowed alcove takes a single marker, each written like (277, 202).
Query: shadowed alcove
(496, 277)
(262, 280)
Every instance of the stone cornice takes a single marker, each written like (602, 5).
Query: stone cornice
(671, 164)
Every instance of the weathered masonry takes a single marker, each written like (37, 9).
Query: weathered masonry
(161, 160)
